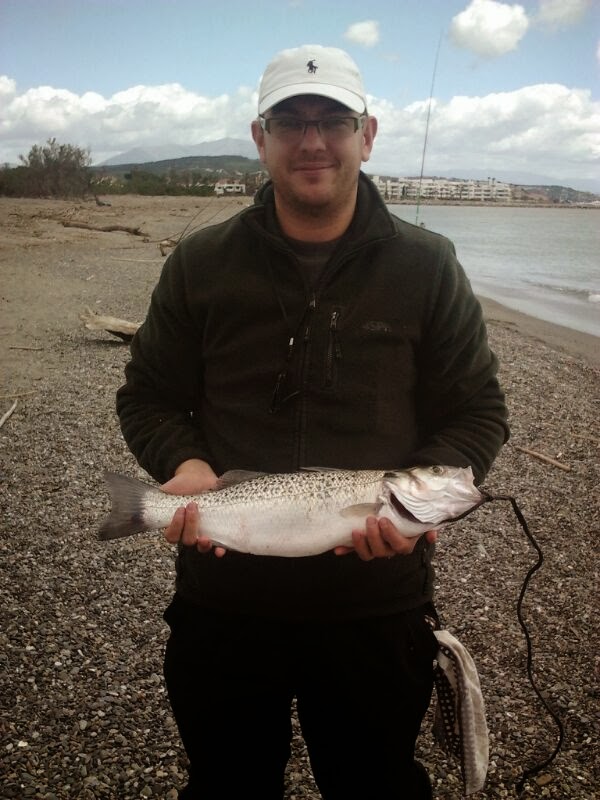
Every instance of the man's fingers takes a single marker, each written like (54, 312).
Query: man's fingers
(185, 525)
(185, 528)
(380, 539)
(174, 530)
(398, 544)
(191, 527)
(203, 545)
(367, 543)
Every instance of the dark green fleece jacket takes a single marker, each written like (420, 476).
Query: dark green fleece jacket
(383, 364)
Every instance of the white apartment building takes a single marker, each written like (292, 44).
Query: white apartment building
(442, 189)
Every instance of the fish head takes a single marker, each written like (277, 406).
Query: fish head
(430, 496)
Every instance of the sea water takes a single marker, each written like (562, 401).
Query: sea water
(544, 262)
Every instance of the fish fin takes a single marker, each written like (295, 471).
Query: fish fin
(127, 513)
(361, 510)
(322, 469)
(235, 476)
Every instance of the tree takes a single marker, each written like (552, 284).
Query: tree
(56, 170)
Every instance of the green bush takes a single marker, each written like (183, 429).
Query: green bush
(52, 170)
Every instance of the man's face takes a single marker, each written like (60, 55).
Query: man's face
(314, 172)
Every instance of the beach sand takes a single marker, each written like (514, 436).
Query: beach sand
(576, 343)
(83, 700)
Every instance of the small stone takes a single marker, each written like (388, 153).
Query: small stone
(543, 780)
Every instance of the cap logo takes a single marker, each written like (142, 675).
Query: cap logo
(311, 69)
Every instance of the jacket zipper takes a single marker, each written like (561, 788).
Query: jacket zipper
(334, 349)
(303, 375)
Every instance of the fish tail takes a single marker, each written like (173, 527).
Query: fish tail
(127, 514)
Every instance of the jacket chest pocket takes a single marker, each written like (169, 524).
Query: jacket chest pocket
(368, 369)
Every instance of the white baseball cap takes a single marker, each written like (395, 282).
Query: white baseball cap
(312, 69)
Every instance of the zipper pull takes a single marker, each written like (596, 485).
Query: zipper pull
(276, 399)
(290, 350)
(337, 349)
(311, 307)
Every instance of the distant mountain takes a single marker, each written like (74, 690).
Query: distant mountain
(245, 147)
(164, 152)
(160, 158)
(227, 164)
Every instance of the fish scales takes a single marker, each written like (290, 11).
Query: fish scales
(294, 513)
(301, 513)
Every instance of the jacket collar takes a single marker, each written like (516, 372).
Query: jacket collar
(371, 222)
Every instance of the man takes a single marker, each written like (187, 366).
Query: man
(312, 329)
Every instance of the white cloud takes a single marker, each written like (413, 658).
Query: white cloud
(489, 28)
(559, 13)
(7, 86)
(365, 33)
(549, 128)
(138, 116)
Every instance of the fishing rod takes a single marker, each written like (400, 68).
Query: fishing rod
(435, 65)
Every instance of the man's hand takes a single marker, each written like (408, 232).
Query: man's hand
(381, 539)
(191, 477)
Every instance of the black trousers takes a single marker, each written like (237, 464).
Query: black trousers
(362, 688)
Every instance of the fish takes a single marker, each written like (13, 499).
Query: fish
(300, 513)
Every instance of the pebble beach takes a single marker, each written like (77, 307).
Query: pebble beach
(84, 707)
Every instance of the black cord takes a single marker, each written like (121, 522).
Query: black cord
(528, 773)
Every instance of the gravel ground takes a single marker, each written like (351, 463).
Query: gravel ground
(85, 714)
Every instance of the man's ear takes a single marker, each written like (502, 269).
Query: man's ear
(258, 135)
(369, 132)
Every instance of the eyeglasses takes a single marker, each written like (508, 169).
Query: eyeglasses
(291, 130)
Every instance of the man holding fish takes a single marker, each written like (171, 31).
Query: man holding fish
(312, 330)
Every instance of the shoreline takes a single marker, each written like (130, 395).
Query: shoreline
(592, 204)
(578, 344)
(29, 223)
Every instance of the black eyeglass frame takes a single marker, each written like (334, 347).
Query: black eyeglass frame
(265, 122)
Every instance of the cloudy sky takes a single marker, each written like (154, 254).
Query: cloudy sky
(516, 89)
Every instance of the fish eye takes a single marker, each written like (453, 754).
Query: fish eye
(437, 470)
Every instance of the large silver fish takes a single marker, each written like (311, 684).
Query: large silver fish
(301, 513)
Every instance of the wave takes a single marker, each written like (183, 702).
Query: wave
(573, 291)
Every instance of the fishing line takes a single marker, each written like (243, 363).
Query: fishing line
(529, 773)
(435, 64)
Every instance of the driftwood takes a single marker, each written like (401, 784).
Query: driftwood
(593, 439)
(542, 457)
(122, 328)
(166, 244)
(15, 394)
(8, 413)
(105, 228)
(137, 260)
